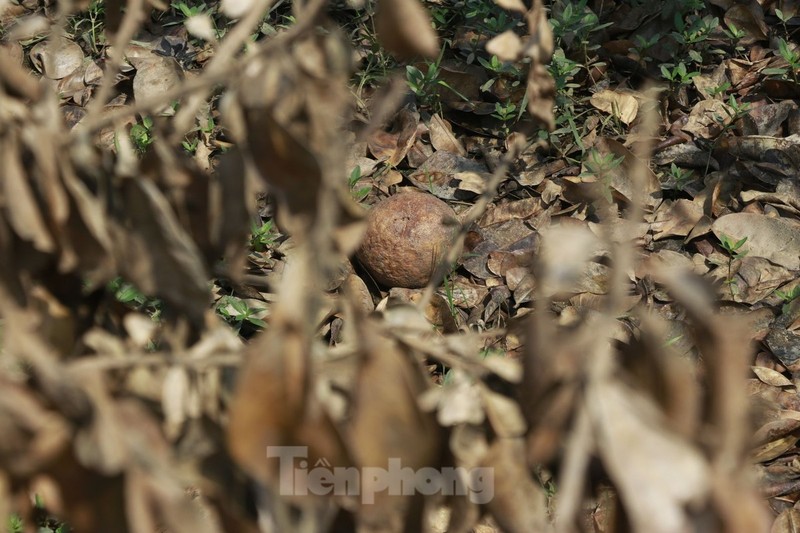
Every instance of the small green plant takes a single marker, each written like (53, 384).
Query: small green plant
(499, 69)
(563, 70)
(142, 134)
(450, 295)
(791, 56)
(574, 23)
(788, 297)
(505, 113)
(487, 17)
(190, 145)
(719, 89)
(734, 34)
(642, 46)
(128, 294)
(90, 28)
(735, 253)
(678, 74)
(679, 176)
(600, 167)
(238, 314)
(189, 10)
(425, 85)
(442, 16)
(737, 111)
(359, 193)
(492, 352)
(784, 18)
(496, 24)
(264, 236)
(15, 524)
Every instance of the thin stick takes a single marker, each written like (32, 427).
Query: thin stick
(134, 16)
(471, 216)
(96, 121)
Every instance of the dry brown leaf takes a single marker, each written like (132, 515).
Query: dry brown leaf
(775, 239)
(621, 177)
(437, 174)
(619, 104)
(393, 146)
(787, 522)
(57, 58)
(387, 422)
(707, 118)
(404, 28)
(518, 504)
(512, 5)
(158, 255)
(23, 212)
(772, 377)
(676, 218)
(442, 138)
(748, 17)
(507, 46)
(658, 474)
(155, 75)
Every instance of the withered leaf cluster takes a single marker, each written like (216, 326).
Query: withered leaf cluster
(573, 371)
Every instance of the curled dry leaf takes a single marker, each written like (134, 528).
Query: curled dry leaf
(404, 28)
(507, 46)
(620, 104)
(442, 138)
(57, 58)
(707, 118)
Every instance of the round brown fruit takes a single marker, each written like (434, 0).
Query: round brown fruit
(407, 237)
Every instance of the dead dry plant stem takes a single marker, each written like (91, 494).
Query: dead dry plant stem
(224, 56)
(471, 216)
(95, 121)
(162, 359)
(133, 19)
(572, 476)
(436, 352)
(624, 250)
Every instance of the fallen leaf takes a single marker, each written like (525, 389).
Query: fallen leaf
(658, 474)
(775, 239)
(507, 46)
(57, 58)
(616, 103)
(404, 28)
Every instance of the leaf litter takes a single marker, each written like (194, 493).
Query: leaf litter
(611, 344)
